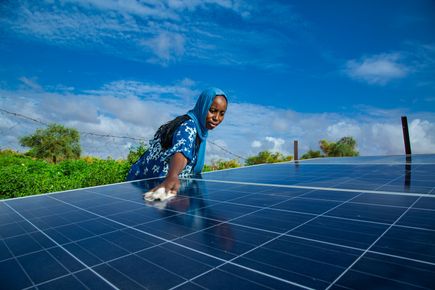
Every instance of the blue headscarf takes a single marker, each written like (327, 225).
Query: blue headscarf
(199, 115)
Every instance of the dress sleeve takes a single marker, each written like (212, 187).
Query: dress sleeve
(184, 140)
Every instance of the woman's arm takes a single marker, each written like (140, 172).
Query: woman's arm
(176, 165)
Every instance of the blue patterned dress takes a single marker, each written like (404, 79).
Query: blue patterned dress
(155, 161)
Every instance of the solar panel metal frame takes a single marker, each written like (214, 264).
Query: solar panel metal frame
(291, 225)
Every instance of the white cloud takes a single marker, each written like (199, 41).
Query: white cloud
(384, 138)
(217, 150)
(154, 9)
(269, 143)
(167, 46)
(68, 107)
(6, 123)
(32, 84)
(137, 111)
(343, 129)
(277, 144)
(256, 144)
(160, 32)
(377, 69)
(141, 110)
(70, 28)
(164, 9)
(97, 112)
(125, 88)
(422, 136)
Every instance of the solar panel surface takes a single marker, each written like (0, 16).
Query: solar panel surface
(336, 223)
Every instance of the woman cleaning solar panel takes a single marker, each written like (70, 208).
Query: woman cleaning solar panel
(178, 147)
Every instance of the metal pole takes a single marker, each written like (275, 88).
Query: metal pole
(295, 146)
(408, 174)
(406, 135)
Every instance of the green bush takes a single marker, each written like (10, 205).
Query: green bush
(221, 164)
(136, 152)
(21, 175)
(267, 157)
(312, 154)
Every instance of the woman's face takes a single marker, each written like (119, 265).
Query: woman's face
(216, 112)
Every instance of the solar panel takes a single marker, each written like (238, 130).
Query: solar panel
(335, 223)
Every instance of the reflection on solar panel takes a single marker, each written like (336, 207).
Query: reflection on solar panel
(345, 223)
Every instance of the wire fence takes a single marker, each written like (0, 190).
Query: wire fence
(15, 125)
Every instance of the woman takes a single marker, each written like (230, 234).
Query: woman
(178, 147)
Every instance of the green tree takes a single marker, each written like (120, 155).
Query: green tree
(312, 154)
(267, 157)
(55, 143)
(136, 152)
(221, 164)
(325, 146)
(346, 146)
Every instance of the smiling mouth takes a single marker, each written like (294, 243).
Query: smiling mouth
(212, 125)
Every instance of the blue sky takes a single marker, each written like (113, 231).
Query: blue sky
(304, 70)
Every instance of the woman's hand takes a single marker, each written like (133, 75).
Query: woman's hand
(171, 182)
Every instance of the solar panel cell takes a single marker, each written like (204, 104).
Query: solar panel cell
(331, 223)
(384, 272)
(13, 275)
